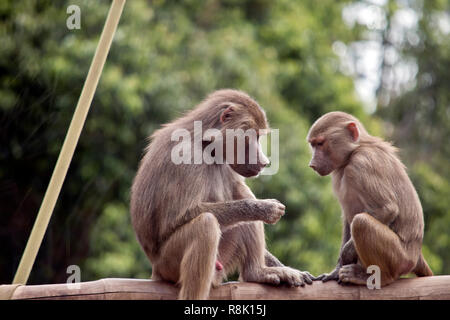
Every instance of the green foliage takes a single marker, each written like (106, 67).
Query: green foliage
(166, 56)
(433, 189)
(115, 252)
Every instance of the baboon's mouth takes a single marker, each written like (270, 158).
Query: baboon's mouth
(251, 173)
(322, 172)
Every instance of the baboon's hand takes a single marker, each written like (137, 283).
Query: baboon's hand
(333, 275)
(272, 210)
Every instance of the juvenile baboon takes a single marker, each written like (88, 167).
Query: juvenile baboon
(198, 222)
(382, 215)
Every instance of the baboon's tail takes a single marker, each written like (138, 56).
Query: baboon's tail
(422, 269)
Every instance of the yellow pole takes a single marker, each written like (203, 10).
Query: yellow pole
(70, 143)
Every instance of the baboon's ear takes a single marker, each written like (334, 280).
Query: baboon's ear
(227, 114)
(354, 131)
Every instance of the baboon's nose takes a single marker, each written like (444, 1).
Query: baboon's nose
(264, 164)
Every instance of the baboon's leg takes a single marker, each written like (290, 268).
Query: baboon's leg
(189, 257)
(271, 260)
(376, 244)
(243, 247)
(242, 244)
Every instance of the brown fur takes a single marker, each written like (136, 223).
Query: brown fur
(383, 219)
(187, 216)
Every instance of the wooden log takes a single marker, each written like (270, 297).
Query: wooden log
(437, 287)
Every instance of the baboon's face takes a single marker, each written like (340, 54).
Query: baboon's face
(247, 122)
(332, 138)
(249, 160)
(321, 156)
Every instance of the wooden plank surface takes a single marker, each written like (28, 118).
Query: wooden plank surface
(437, 287)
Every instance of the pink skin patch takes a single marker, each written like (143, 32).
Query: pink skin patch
(219, 266)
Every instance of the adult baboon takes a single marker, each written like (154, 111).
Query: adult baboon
(198, 222)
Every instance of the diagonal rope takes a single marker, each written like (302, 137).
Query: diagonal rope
(70, 143)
